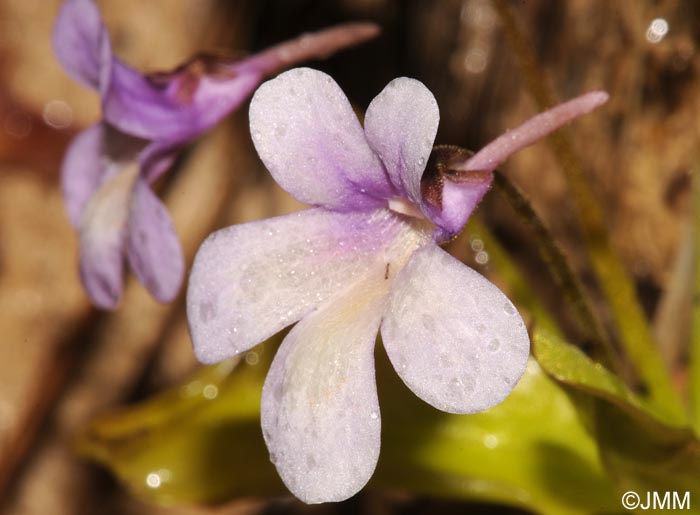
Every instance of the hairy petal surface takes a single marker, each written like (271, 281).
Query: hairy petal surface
(452, 336)
(401, 124)
(320, 413)
(153, 248)
(250, 281)
(310, 140)
(536, 128)
(102, 233)
(78, 39)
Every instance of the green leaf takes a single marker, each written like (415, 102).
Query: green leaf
(202, 443)
(643, 448)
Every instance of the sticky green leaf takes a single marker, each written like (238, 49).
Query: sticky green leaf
(202, 443)
(571, 367)
(643, 448)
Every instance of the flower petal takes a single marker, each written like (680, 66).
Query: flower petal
(96, 153)
(460, 198)
(310, 140)
(78, 39)
(182, 104)
(177, 106)
(401, 124)
(320, 413)
(102, 232)
(157, 158)
(153, 248)
(250, 281)
(536, 128)
(452, 336)
(82, 170)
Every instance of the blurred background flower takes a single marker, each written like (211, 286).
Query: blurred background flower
(63, 363)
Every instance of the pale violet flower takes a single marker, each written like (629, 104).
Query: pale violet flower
(109, 168)
(365, 258)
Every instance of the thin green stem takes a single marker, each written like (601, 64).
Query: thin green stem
(557, 264)
(618, 288)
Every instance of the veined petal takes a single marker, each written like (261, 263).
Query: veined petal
(401, 124)
(153, 248)
(536, 128)
(320, 414)
(452, 336)
(78, 39)
(310, 140)
(102, 233)
(250, 281)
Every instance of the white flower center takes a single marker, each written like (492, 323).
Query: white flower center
(405, 207)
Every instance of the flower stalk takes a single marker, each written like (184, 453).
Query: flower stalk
(618, 288)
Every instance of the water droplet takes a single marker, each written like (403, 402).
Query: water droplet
(482, 257)
(374, 415)
(494, 345)
(490, 441)
(210, 391)
(509, 309)
(252, 358)
(153, 480)
(58, 114)
(657, 30)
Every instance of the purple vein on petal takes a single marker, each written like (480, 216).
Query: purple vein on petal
(536, 128)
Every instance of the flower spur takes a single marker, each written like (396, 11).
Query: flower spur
(365, 258)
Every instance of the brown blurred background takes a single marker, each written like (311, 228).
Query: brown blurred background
(62, 362)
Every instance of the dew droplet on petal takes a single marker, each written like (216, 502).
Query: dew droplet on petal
(490, 441)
